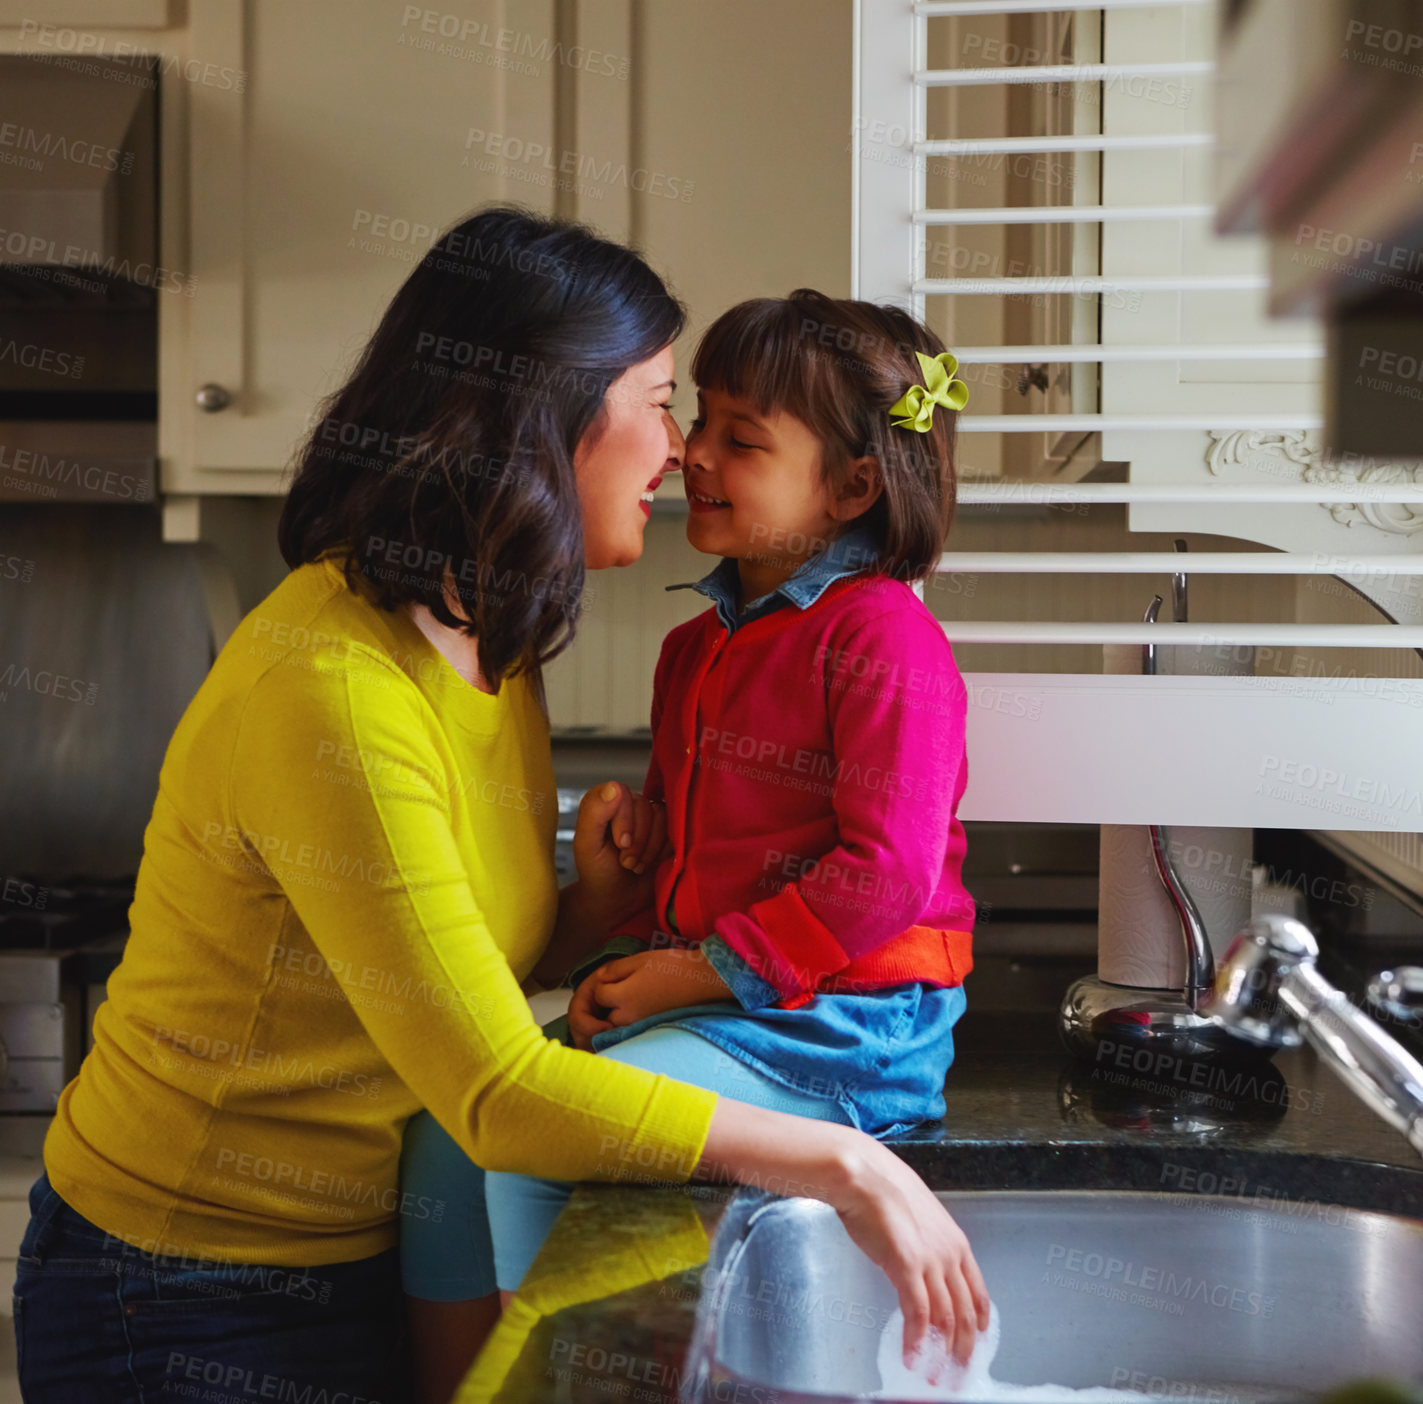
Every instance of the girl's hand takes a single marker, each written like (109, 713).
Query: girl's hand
(585, 1015)
(637, 986)
(618, 838)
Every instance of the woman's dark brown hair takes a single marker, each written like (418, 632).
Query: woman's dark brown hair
(838, 365)
(448, 454)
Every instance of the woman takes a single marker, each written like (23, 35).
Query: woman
(348, 873)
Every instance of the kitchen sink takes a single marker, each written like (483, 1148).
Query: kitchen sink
(1222, 1299)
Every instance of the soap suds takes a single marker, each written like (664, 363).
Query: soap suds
(974, 1380)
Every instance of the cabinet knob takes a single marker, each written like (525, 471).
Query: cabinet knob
(212, 398)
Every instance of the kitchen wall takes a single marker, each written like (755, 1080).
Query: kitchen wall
(754, 134)
(724, 137)
(719, 144)
(760, 136)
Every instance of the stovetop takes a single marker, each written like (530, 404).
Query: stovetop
(64, 914)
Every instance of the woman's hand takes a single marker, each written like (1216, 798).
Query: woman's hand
(886, 1208)
(894, 1218)
(671, 977)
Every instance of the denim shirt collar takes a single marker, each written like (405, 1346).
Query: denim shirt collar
(846, 555)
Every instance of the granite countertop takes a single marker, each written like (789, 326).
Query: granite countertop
(607, 1310)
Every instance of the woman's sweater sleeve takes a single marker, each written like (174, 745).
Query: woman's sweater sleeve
(403, 902)
(899, 764)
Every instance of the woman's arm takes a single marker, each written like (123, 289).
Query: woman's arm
(620, 838)
(885, 1207)
(401, 905)
(468, 1048)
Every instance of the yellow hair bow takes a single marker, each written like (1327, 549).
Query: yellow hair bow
(939, 388)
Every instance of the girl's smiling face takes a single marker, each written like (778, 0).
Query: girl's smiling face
(621, 460)
(755, 490)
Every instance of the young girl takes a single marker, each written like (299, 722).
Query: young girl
(810, 932)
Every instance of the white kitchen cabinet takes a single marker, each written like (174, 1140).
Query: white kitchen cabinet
(298, 200)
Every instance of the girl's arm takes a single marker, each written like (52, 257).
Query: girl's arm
(899, 752)
(899, 749)
(617, 840)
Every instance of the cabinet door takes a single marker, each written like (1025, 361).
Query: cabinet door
(312, 188)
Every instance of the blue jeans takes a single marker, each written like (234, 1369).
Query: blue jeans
(98, 1320)
(493, 1224)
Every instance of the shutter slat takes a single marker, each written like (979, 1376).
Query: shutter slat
(1063, 214)
(1094, 354)
(1040, 494)
(1003, 631)
(1023, 146)
(1010, 287)
(1169, 423)
(1060, 73)
(1170, 562)
(950, 9)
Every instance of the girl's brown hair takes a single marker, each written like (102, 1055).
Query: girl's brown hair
(838, 365)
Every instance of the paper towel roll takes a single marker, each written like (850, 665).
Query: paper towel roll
(1138, 936)
(1139, 939)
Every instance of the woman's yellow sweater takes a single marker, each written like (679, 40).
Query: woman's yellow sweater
(348, 871)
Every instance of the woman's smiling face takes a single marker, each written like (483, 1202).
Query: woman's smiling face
(622, 459)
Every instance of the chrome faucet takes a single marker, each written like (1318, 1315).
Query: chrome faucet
(1200, 963)
(1097, 1017)
(1399, 993)
(1269, 993)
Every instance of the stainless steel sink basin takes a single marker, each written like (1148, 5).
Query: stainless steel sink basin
(1219, 1299)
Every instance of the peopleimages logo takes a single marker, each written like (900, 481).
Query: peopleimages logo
(21, 246)
(41, 358)
(31, 142)
(240, 1382)
(279, 1068)
(1304, 776)
(127, 61)
(36, 473)
(717, 749)
(579, 165)
(281, 852)
(475, 40)
(330, 1184)
(1172, 1287)
(45, 682)
(19, 568)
